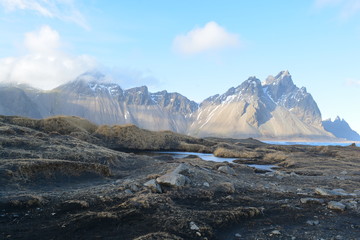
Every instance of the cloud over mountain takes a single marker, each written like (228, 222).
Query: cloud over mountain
(202, 39)
(45, 64)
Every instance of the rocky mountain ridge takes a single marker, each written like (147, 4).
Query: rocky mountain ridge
(341, 129)
(275, 109)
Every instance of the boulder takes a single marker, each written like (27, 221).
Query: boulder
(182, 168)
(172, 179)
(227, 170)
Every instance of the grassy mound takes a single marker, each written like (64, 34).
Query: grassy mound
(134, 138)
(61, 124)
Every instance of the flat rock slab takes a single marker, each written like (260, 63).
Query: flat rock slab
(311, 201)
(334, 192)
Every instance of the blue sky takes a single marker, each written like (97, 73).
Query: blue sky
(196, 48)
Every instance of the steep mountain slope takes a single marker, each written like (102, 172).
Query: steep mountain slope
(341, 129)
(284, 92)
(253, 110)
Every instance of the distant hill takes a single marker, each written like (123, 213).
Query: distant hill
(341, 129)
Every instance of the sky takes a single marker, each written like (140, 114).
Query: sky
(196, 48)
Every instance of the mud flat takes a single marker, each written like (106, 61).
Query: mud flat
(65, 178)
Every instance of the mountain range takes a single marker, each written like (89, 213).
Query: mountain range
(275, 109)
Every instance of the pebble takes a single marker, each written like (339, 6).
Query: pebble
(193, 226)
(312, 222)
(206, 184)
(275, 232)
(336, 206)
(128, 191)
(237, 236)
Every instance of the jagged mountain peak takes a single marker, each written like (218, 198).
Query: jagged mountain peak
(92, 83)
(142, 90)
(251, 82)
(282, 90)
(174, 102)
(283, 74)
(282, 79)
(338, 119)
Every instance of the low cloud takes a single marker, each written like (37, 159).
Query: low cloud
(204, 39)
(45, 65)
(347, 8)
(64, 10)
(128, 78)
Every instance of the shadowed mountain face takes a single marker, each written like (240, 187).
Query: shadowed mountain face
(276, 109)
(14, 101)
(341, 129)
(90, 96)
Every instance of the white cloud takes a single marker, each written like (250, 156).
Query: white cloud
(210, 37)
(348, 8)
(46, 40)
(64, 10)
(45, 66)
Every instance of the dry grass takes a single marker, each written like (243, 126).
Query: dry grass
(275, 157)
(132, 137)
(233, 153)
(325, 150)
(60, 124)
(25, 170)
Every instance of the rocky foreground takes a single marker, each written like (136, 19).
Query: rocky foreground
(66, 178)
